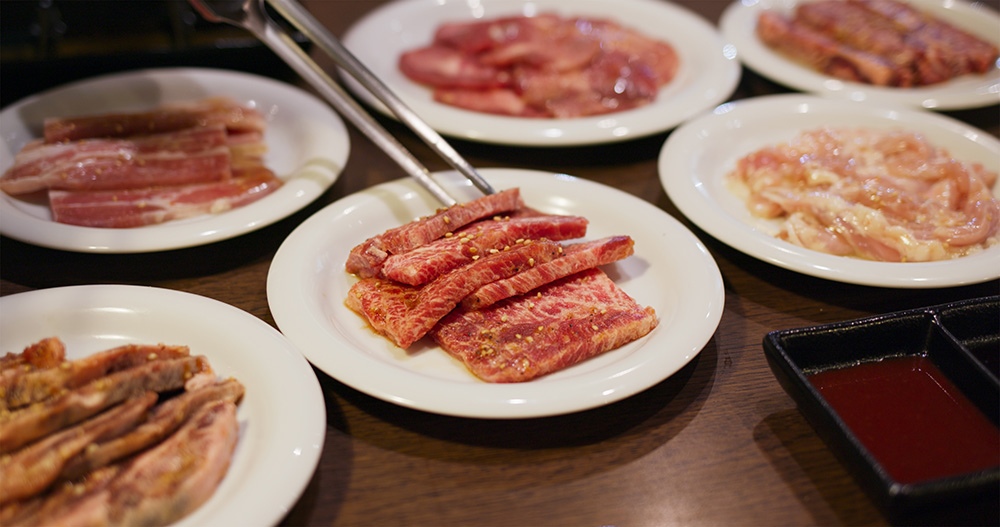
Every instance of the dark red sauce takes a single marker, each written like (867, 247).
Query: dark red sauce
(913, 420)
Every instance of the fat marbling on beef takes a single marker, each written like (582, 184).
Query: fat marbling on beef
(511, 311)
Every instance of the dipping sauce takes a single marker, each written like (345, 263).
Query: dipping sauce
(914, 421)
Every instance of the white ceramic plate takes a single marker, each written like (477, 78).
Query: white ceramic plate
(307, 141)
(282, 415)
(697, 156)
(670, 271)
(739, 21)
(707, 75)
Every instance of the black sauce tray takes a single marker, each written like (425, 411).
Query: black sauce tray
(962, 339)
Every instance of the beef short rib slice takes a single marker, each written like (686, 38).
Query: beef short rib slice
(423, 264)
(564, 323)
(576, 257)
(365, 260)
(405, 313)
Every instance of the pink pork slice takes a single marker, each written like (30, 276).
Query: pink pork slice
(405, 313)
(576, 257)
(148, 206)
(365, 260)
(426, 263)
(193, 155)
(166, 118)
(525, 337)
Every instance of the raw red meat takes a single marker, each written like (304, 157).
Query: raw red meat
(365, 260)
(542, 66)
(405, 313)
(566, 322)
(576, 257)
(423, 264)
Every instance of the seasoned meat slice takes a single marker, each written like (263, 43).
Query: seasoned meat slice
(365, 260)
(576, 257)
(405, 313)
(22, 426)
(525, 337)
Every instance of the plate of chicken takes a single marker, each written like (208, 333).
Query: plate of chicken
(846, 191)
(129, 405)
(541, 299)
(549, 72)
(162, 159)
(932, 54)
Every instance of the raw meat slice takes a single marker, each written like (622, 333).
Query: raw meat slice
(162, 421)
(449, 68)
(35, 386)
(366, 259)
(46, 353)
(826, 54)
(525, 337)
(192, 155)
(576, 257)
(406, 313)
(423, 264)
(148, 206)
(35, 467)
(19, 427)
(167, 118)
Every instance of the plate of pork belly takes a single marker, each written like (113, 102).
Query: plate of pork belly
(130, 405)
(545, 72)
(551, 296)
(162, 159)
(934, 54)
(846, 191)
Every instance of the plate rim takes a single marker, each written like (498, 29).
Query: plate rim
(316, 336)
(293, 478)
(683, 185)
(603, 129)
(303, 185)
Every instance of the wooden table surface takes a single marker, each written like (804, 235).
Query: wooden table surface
(717, 443)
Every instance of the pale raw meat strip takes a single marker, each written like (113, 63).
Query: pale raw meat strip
(193, 155)
(166, 118)
(149, 206)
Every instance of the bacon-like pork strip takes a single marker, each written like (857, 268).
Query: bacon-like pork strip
(423, 264)
(162, 421)
(576, 257)
(167, 118)
(33, 468)
(365, 260)
(522, 338)
(41, 384)
(153, 205)
(20, 427)
(192, 155)
(46, 353)
(405, 313)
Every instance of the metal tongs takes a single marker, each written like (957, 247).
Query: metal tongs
(251, 15)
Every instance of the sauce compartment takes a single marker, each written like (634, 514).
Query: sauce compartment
(908, 401)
